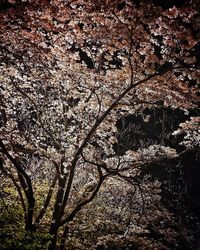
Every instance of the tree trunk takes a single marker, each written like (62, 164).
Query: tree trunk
(54, 232)
(64, 236)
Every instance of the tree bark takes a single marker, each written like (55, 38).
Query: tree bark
(54, 232)
(64, 236)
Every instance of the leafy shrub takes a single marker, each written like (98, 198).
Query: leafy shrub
(14, 237)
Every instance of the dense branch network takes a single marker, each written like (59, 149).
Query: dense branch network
(72, 71)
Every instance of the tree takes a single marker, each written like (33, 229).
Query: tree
(72, 71)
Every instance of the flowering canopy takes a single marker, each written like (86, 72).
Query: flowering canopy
(69, 71)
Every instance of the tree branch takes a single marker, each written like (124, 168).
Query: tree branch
(47, 201)
(26, 183)
(71, 216)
